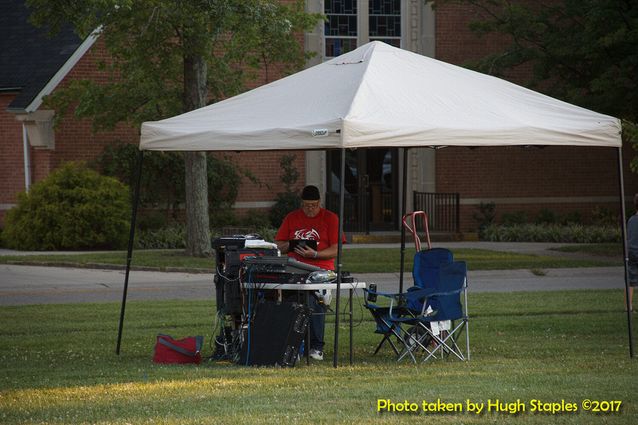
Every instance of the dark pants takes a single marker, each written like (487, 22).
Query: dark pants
(317, 324)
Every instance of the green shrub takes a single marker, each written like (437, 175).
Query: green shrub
(484, 216)
(284, 203)
(575, 233)
(516, 217)
(574, 217)
(267, 233)
(170, 237)
(546, 216)
(603, 216)
(162, 184)
(73, 208)
(256, 220)
(287, 201)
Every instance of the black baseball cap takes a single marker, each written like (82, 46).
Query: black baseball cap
(310, 193)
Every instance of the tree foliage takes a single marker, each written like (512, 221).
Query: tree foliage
(582, 51)
(287, 200)
(73, 208)
(162, 183)
(147, 41)
(167, 57)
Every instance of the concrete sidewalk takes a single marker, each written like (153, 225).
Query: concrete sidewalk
(21, 285)
(537, 248)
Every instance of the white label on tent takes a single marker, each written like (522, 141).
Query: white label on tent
(320, 132)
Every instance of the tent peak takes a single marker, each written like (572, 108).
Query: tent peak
(386, 97)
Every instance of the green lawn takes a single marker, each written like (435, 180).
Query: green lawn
(57, 366)
(363, 260)
(600, 249)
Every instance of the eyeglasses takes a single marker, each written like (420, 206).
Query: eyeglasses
(310, 204)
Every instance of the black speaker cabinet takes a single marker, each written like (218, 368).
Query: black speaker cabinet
(275, 334)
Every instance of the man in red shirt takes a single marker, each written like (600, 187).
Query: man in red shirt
(311, 222)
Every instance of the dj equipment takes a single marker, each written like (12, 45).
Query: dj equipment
(230, 252)
(275, 334)
(269, 269)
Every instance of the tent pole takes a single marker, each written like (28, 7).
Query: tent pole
(129, 255)
(625, 251)
(339, 252)
(403, 207)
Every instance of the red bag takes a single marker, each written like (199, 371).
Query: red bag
(170, 350)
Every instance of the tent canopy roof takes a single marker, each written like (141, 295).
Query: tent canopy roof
(379, 95)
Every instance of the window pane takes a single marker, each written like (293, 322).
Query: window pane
(396, 42)
(385, 7)
(341, 25)
(339, 46)
(340, 29)
(385, 18)
(340, 6)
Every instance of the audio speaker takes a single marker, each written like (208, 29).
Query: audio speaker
(275, 334)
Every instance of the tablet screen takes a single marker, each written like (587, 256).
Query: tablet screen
(302, 242)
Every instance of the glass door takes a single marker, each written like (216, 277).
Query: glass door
(371, 188)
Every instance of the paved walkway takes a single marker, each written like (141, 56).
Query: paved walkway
(41, 285)
(539, 248)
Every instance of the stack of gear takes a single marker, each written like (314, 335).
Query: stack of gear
(230, 252)
(261, 326)
(275, 329)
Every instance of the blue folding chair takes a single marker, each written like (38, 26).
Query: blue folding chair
(443, 301)
(427, 266)
(445, 304)
(381, 317)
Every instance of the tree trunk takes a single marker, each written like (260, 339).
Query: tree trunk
(197, 224)
(198, 242)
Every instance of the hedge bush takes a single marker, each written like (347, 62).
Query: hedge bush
(551, 233)
(73, 208)
(174, 237)
(170, 237)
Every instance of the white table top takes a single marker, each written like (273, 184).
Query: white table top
(303, 286)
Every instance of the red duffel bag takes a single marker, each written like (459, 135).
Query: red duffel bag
(170, 350)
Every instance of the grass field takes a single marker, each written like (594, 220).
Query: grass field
(57, 366)
(363, 260)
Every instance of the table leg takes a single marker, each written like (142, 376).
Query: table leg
(306, 346)
(351, 349)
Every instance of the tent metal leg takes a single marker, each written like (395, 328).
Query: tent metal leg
(339, 252)
(403, 208)
(625, 249)
(129, 255)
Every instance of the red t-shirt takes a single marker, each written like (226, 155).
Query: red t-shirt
(323, 228)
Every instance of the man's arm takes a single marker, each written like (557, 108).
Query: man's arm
(283, 246)
(328, 253)
(324, 254)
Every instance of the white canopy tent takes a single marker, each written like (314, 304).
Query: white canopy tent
(380, 96)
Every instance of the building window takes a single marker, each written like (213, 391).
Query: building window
(341, 26)
(341, 30)
(384, 18)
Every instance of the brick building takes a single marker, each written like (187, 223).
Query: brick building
(515, 179)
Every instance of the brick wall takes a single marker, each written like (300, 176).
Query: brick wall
(478, 174)
(265, 166)
(11, 154)
(559, 177)
(76, 141)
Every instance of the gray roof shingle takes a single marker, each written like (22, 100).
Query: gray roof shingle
(29, 57)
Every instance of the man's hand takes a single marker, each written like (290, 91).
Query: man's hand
(306, 252)
(283, 246)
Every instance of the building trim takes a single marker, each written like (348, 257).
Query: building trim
(540, 200)
(63, 71)
(254, 204)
